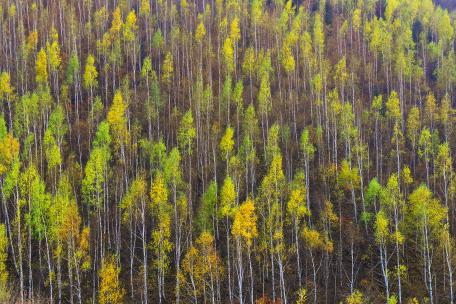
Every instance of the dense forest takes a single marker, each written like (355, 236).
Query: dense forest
(227, 151)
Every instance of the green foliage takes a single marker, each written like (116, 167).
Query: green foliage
(207, 209)
(4, 290)
(186, 133)
(32, 188)
(373, 192)
(171, 167)
(296, 205)
(117, 134)
(73, 69)
(227, 197)
(306, 146)
(90, 73)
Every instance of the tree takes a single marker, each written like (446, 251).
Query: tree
(186, 133)
(9, 150)
(228, 54)
(413, 129)
(161, 236)
(202, 269)
(118, 121)
(271, 195)
(382, 239)
(355, 298)
(110, 290)
(245, 228)
(428, 217)
(168, 68)
(297, 208)
(90, 74)
(134, 206)
(227, 144)
(207, 211)
(6, 92)
(41, 66)
(97, 167)
(425, 149)
(308, 150)
(394, 113)
(4, 290)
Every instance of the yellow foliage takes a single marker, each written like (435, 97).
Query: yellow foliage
(110, 291)
(53, 50)
(201, 264)
(297, 203)
(200, 32)
(117, 120)
(235, 32)
(3, 258)
(130, 26)
(288, 60)
(228, 53)
(158, 191)
(5, 85)
(355, 298)
(302, 296)
(244, 224)
(227, 143)
(356, 19)
(381, 227)
(32, 41)
(90, 73)
(313, 238)
(227, 197)
(41, 68)
(144, 9)
(9, 150)
(117, 23)
(168, 68)
(82, 252)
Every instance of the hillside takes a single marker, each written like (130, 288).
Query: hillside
(227, 151)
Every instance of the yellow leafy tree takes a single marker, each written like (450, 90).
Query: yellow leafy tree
(315, 240)
(117, 23)
(144, 9)
(227, 197)
(200, 32)
(9, 150)
(235, 32)
(244, 230)
(110, 291)
(130, 27)
(201, 268)
(32, 42)
(117, 120)
(228, 54)
(168, 68)
(244, 223)
(4, 294)
(41, 68)
(5, 85)
(227, 143)
(55, 59)
(162, 234)
(82, 253)
(355, 298)
(90, 73)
